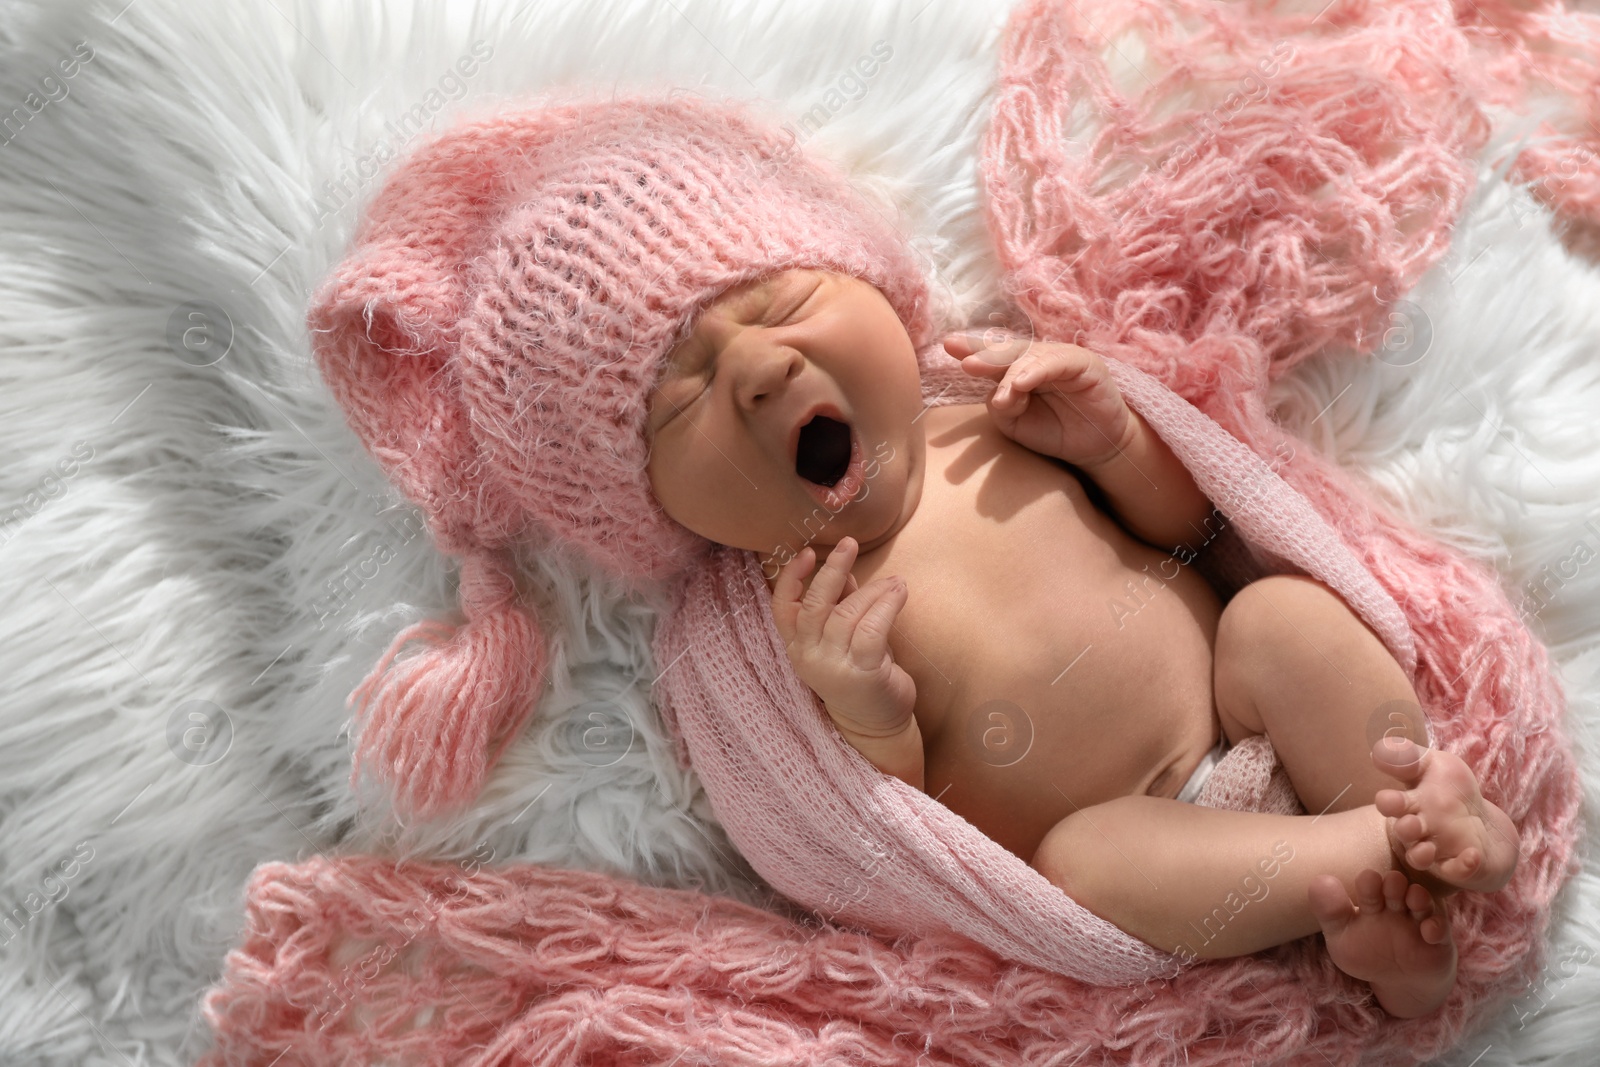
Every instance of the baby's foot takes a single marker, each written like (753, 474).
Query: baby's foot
(1398, 940)
(1442, 825)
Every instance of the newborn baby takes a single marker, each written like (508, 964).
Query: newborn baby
(1006, 619)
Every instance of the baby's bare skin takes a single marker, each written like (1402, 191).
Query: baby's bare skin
(1034, 696)
(1056, 723)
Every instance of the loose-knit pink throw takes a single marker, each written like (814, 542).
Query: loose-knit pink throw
(1544, 53)
(1251, 188)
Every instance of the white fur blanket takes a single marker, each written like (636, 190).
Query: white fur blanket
(200, 561)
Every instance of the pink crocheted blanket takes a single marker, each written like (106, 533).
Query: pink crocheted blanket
(1236, 189)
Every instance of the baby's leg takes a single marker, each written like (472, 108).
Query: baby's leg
(1207, 881)
(1292, 661)
(1212, 883)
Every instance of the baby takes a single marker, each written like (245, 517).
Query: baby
(1042, 682)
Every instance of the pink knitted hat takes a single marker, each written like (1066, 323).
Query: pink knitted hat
(494, 334)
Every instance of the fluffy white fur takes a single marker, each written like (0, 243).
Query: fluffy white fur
(190, 556)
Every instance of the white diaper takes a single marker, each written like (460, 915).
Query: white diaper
(1197, 780)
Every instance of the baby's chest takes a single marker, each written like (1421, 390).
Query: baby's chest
(1007, 631)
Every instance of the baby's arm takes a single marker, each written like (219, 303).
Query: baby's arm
(1150, 491)
(1207, 881)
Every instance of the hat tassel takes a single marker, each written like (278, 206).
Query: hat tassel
(428, 724)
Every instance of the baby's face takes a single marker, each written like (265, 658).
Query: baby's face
(728, 459)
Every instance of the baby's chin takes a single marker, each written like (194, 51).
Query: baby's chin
(881, 507)
(817, 528)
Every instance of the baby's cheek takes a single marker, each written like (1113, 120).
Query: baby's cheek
(656, 459)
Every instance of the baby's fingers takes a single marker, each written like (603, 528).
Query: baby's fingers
(791, 574)
(786, 592)
(817, 605)
(860, 628)
(982, 367)
(980, 353)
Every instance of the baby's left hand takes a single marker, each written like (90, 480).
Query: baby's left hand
(1057, 399)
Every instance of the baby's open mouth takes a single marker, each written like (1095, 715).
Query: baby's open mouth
(823, 455)
(829, 459)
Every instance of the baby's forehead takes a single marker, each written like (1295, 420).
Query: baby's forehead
(737, 302)
(734, 302)
(738, 297)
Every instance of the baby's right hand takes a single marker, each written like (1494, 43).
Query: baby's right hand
(842, 650)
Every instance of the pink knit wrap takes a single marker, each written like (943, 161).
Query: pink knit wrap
(1203, 246)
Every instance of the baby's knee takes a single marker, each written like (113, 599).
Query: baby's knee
(1275, 622)
(1267, 612)
(1266, 624)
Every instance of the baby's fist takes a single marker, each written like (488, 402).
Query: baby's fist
(841, 651)
(1056, 399)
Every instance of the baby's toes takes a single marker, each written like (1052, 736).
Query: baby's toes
(1422, 854)
(1411, 830)
(1433, 925)
(1435, 929)
(1409, 837)
(1399, 757)
(1369, 891)
(1393, 802)
(1418, 902)
(1394, 890)
(1462, 868)
(1330, 904)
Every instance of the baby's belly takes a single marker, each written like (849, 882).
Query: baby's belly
(1060, 709)
(1059, 662)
